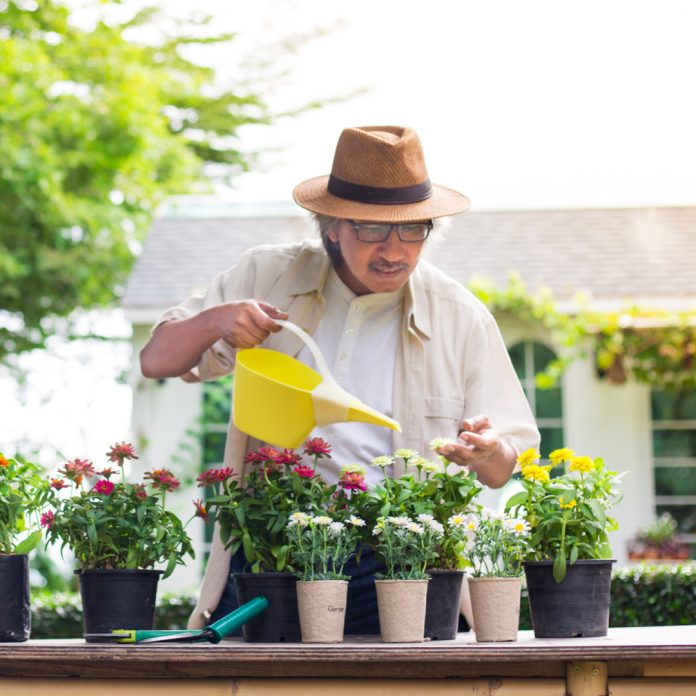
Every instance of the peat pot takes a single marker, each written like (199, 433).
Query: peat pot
(15, 612)
(117, 599)
(576, 607)
(280, 623)
(442, 606)
(401, 607)
(495, 604)
(322, 608)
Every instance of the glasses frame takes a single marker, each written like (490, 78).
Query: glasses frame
(396, 227)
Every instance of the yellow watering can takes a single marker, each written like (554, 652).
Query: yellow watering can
(279, 400)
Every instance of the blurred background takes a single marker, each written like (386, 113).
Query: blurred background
(143, 146)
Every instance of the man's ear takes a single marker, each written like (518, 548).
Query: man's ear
(332, 233)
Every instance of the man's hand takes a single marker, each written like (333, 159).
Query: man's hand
(481, 449)
(246, 323)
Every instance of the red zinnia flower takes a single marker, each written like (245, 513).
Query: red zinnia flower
(317, 447)
(352, 481)
(47, 519)
(76, 469)
(288, 457)
(106, 473)
(104, 487)
(163, 479)
(140, 492)
(200, 509)
(118, 453)
(3, 461)
(58, 483)
(268, 454)
(304, 471)
(208, 478)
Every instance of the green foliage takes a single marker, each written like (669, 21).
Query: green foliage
(657, 347)
(96, 128)
(57, 615)
(119, 525)
(427, 488)
(567, 513)
(23, 492)
(646, 595)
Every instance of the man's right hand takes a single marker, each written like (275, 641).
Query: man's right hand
(246, 323)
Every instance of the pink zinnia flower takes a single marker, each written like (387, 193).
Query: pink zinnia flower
(317, 447)
(104, 487)
(303, 471)
(200, 509)
(288, 457)
(47, 519)
(76, 469)
(118, 453)
(352, 481)
(140, 492)
(106, 473)
(163, 479)
(268, 454)
(212, 476)
(58, 483)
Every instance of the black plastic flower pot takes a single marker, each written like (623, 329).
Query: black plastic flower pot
(15, 612)
(117, 599)
(576, 607)
(280, 623)
(442, 604)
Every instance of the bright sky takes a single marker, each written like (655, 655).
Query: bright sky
(535, 104)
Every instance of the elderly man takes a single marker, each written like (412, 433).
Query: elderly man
(397, 333)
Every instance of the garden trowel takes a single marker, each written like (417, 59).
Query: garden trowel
(212, 634)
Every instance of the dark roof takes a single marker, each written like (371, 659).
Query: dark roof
(613, 254)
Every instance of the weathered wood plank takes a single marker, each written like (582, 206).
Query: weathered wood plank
(680, 686)
(121, 687)
(586, 678)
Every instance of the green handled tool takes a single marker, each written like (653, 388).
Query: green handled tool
(212, 634)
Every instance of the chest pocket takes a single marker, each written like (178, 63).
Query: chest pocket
(449, 411)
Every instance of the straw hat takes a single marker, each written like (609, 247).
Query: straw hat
(378, 174)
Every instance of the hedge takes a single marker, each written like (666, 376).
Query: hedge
(645, 595)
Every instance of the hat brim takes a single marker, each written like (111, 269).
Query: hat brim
(313, 195)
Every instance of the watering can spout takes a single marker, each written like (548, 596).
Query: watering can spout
(358, 411)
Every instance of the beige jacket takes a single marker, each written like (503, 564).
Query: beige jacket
(451, 364)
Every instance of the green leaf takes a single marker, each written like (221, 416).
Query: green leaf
(559, 567)
(29, 543)
(515, 500)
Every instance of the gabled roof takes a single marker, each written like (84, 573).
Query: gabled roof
(646, 255)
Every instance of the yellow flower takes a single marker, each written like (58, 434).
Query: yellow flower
(561, 455)
(581, 464)
(529, 456)
(536, 473)
(567, 506)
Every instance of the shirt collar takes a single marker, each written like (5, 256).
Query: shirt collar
(416, 305)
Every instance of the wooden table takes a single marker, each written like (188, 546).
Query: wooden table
(629, 661)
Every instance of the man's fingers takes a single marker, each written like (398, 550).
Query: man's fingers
(478, 441)
(475, 424)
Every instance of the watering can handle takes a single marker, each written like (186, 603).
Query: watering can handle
(311, 344)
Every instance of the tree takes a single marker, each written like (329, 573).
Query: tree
(96, 128)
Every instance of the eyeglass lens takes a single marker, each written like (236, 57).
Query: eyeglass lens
(413, 232)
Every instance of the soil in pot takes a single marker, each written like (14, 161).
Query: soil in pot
(117, 598)
(280, 623)
(15, 612)
(442, 605)
(576, 607)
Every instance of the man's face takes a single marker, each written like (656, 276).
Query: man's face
(374, 266)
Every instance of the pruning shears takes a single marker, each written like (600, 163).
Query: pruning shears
(212, 634)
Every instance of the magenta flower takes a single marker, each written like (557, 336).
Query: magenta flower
(317, 447)
(106, 473)
(47, 519)
(118, 453)
(163, 479)
(140, 492)
(58, 483)
(104, 487)
(303, 471)
(212, 476)
(288, 457)
(76, 469)
(352, 481)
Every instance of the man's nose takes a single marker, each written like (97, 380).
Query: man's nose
(392, 247)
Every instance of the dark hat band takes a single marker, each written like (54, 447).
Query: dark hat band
(378, 195)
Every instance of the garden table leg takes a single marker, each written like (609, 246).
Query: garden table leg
(586, 679)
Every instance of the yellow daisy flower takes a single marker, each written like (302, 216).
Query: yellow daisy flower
(567, 506)
(581, 464)
(561, 455)
(529, 456)
(536, 473)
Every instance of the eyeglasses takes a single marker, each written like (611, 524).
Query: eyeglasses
(373, 233)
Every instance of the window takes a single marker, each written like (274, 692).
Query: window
(529, 358)
(674, 457)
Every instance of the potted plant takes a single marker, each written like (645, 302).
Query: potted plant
(568, 568)
(497, 544)
(253, 515)
(436, 488)
(319, 548)
(658, 541)
(22, 493)
(118, 532)
(407, 546)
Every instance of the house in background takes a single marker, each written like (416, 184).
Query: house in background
(616, 257)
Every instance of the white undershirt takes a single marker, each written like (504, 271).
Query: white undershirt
(359, 338)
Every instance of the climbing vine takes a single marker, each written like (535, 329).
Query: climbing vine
(655, 347)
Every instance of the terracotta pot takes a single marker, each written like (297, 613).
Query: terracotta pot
(496, 606)
(322, 608)
(401, 606)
